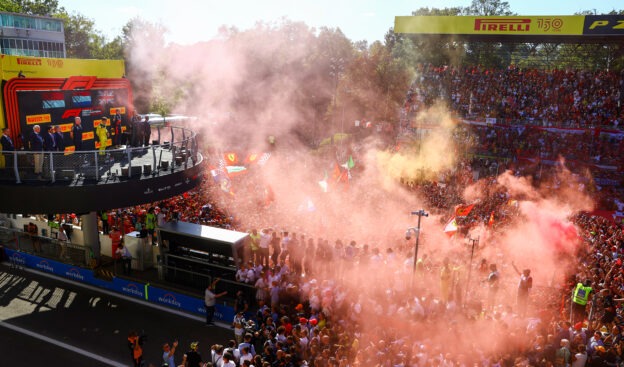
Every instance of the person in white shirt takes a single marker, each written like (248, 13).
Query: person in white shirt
(580, 356)
(245, 355)
(126, 258)
(238, 323)
(250, 278)
(228, 360)
(265, 241)
(241, 274)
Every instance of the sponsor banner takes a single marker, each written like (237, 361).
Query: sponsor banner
(65, 128)
(113, 110)
(607, 25)
(491, 25)
(39, 67)
(132, 289)
(109, 142)
(52, 267)
(87, 136)
(97, 123)
(38, 119)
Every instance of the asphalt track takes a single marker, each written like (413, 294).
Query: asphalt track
(51, 321)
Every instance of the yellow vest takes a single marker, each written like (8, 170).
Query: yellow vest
(581, 294)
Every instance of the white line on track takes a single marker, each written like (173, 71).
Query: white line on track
(62, 345)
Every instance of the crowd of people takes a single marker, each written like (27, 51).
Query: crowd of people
(572, 98)
(328, 302)
(341, 312)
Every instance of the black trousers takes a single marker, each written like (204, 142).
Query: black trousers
(210, 311)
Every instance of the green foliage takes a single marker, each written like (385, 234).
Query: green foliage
(337, 79)
(31, 7)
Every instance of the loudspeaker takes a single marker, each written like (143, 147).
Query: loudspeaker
(135, 171)
(147, 169)
(164, 165)
(66, 174)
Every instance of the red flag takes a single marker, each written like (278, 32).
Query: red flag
(251, 158)
(463, 210)
(337, 173)
(231, 158)
(451, 227)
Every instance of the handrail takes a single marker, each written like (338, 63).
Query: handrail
(109, 164)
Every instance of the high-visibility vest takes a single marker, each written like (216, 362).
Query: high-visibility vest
(255, 242)
(581, 294)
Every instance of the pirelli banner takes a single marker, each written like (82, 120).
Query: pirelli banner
(574, 25)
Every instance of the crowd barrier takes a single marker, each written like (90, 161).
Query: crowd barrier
(134, 289)
(176, 148)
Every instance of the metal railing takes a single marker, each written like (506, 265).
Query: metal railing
(174, 149)
(48, 247)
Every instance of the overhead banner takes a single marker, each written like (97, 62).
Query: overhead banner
(565, 25)
(44, 67)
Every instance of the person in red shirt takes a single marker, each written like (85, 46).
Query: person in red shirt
(115, 237)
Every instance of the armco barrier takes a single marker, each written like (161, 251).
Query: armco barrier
(139, 290)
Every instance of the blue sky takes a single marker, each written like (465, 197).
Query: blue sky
(190, 21)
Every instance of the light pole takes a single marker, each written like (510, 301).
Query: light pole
(420, 213)
(474, 242)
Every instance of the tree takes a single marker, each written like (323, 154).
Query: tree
(82, 40)
(30, 7)
(488, 8)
